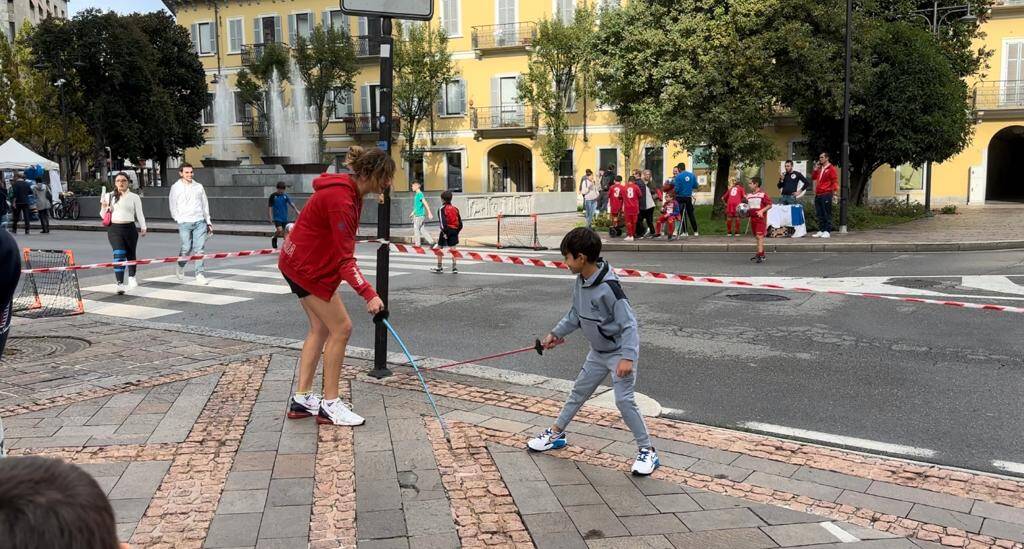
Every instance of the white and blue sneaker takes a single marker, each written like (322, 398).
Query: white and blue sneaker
(646, 462)
(547, 440)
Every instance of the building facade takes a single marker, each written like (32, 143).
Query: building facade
(482, 139)
(15, 13)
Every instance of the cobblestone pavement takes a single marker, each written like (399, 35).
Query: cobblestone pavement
(187, 436)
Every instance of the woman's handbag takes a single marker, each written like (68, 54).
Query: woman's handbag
(108, 212)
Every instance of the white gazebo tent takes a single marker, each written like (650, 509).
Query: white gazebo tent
(15, 156)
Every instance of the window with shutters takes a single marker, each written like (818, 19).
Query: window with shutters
(1012, 92)
(235, 35)
(204, 38)
(266, 29)
(570, 101)
(243, 112)
(207, 118)
(454, 98)
(299, 25)
(453, 165)
(451, 17)
(336, 20)
(565, 11)
(343, 101)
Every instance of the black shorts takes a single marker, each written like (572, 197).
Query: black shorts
(296, 289)
(280, 224)
(448, 240)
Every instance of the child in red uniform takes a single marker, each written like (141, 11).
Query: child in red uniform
(669, 213)
(631, 207)
(759, 203)
(615, 203)
(733, 197)
(451, 225)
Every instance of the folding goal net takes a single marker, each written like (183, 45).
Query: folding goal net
(518, 231)
(48, 294)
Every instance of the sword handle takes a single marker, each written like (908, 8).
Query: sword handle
(538, 347)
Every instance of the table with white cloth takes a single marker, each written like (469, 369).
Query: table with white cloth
(780, 215)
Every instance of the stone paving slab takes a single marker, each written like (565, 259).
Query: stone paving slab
(228, 471)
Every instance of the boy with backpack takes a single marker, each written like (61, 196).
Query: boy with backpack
(277, 208)
(601, 310)
(451, 224)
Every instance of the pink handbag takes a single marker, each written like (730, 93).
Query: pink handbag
(107, 214)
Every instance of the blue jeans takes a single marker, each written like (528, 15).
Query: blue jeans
(589, 209)
(788, 199)
(193, 239)
(823, 208)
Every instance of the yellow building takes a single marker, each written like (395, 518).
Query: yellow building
(482, 140)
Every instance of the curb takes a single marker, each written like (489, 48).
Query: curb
(787, 247)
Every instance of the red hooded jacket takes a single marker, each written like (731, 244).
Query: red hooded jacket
(318, 253)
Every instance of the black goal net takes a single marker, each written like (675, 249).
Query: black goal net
(48, 294)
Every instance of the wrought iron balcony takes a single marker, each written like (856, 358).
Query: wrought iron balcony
(367, 47)
(504, 37)
(363, 124)
(254, 128)
(504, 121)
(252, 53)
(999, 95)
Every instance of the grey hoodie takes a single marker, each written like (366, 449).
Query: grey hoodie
(600, 308)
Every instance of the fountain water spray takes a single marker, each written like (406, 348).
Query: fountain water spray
(291, 132)
(222, 118)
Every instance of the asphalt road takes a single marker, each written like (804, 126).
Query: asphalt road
(942, 382)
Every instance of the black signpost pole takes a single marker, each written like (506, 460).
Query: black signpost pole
(380, 341)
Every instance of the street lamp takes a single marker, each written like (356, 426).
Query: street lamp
(844, 190)
(935, 17)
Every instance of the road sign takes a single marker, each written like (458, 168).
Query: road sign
(421, 10)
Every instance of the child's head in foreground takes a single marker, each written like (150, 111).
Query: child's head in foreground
(580, 246)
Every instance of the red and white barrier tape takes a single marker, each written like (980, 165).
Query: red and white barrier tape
(544, 263)
(218, 255)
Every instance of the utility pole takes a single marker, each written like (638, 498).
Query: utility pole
(387, 80)
(844, 190)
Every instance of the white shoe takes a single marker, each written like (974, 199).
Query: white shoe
(816, 235)
(179, 272)
(646, 462)
(337, 413)
(547, 440)
(826, 235)
(304, 406)
(696, 234)
(132, 283)
(628, 239)
(201, 280)
(120, 289)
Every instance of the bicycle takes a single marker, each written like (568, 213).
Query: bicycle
(68, 207)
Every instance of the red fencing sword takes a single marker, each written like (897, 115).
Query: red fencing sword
(535, 347)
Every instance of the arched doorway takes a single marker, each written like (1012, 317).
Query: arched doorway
(510, 169)
(1005, 178)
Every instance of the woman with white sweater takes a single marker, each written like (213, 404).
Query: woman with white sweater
(126, 209)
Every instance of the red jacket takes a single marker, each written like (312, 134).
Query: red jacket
(615, 198)
(631, 199)
(318, 253)
(826, 181)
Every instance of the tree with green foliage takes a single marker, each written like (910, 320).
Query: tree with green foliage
(327, 64)
(179, 95)
(558, 56)
(909, 100)
(699, 74)
(423, 66)
(253, 82)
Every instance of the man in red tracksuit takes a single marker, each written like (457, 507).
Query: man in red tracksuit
(826, 182)
(631, 207)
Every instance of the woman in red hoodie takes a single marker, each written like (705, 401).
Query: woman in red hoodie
(315, 258)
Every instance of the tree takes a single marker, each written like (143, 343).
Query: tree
(699, 74)
(909, 101)
(172, 122)
(558, 57)
(253, 82)
(423, 67)
(327, 63)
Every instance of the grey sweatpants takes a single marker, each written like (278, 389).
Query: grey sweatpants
(595, 369)
(418, 232)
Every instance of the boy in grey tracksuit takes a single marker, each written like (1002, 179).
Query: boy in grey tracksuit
(601, 310)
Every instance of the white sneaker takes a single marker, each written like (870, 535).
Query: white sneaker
(338, 414)
(826, 235)
(179, 272)
(547, 440)
(816, 235)
(628, 239)
(132, 283)
(696, 234)
(646, 462)
(120, 289)
(304, 406)
(201, 280)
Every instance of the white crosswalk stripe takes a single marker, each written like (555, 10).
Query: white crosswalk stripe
(125, 310)
(167, 294)
(231, 284)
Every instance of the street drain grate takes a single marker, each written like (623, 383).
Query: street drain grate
(32, 348)
(917, 283)
(757, 298)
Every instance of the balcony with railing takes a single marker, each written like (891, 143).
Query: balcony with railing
(366, 125)
(367, 47)
(504, 121)
(254, 128)
(252, 53)
(509, 36)
(999, 98)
